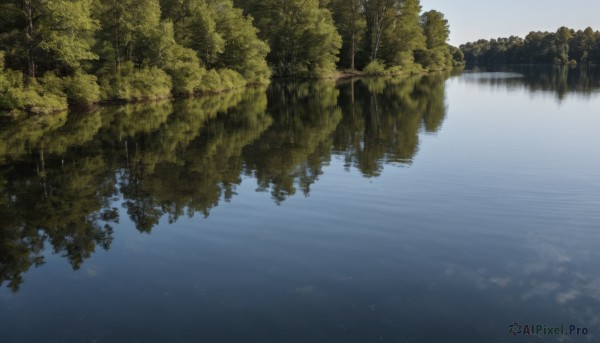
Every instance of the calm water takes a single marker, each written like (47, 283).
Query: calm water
(433, 209)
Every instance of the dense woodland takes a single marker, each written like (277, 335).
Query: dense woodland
(60, 52)
(565, 46)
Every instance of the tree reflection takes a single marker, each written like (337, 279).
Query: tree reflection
(383, 119)
(291, 154)
(193, 160)
(63, 202)
(559, 80)
(63, 179)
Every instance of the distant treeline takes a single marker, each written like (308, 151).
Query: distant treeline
(57, 52)
(565, 46)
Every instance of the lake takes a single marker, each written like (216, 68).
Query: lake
(439, 208)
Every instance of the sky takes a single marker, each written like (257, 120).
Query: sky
(471, 20)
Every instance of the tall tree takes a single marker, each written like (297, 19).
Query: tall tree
(379, 15)
(405, 35)
(582, 45)
(129, 27)
(437, 31)
(221, 34)
(50, 34)
(351, 24)
(301, 33)
(563, 36)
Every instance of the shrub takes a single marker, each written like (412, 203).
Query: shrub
(376, 67)
(36, 97)
(186, 73)
(231, 79)
(211, 82)
(130, 83)
(395, 70)
(82, 89)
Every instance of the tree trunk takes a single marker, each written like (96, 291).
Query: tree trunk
(117, 36)
(29, 38)
(353, 52)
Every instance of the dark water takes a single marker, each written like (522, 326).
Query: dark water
(433, 209)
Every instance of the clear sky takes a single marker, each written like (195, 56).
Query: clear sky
(471, 20)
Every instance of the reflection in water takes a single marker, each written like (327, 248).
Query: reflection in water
(293, 151)
(560, 80)
(383, 118)
(480, 230)
(60, 177)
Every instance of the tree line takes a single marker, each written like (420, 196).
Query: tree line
(565, 46)
(61, 52)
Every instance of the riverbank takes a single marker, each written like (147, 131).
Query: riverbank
(51, 94)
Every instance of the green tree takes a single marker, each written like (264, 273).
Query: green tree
(379, 15)
(437, 31)
(222, 36)
(301, 34)
(582, 45)
(351, 24)
(405, 36)
(563, 36)
(47, 35)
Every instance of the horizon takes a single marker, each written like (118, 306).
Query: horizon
(470, 21)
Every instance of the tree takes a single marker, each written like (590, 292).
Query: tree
(405, 36)
(351, 24)
(50, 34)
(563, 36)
(581, 45)
(437, 32)
(301, 33)
(565, 46)
(379, 15)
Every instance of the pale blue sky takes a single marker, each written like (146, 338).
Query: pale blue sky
(471, 19)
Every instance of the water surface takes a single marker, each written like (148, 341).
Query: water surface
(431, 209)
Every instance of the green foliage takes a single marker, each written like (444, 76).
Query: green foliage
(221, 35)
(436, 29)
(376, 67)
(42, 96)
(136, 84)
(221, 80)
(404, 36)
(393, 31)
(565, 46)
(301, 33)
(66, 29)
(380, 15)
(351, 24)
(230, 79)
(244, 52)
(82, 89)
(437, 54)
(185, 71)
(211, 81)
(131, 32)
(458, 57)
(48, 35)
(86, 51)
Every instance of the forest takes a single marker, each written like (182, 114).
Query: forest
(563, 47)
(61, 53)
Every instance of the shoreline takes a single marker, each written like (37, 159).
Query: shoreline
(336, 76)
